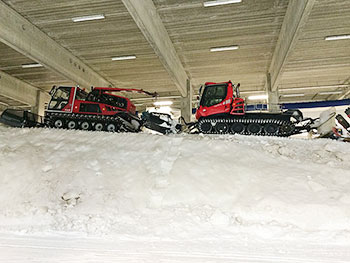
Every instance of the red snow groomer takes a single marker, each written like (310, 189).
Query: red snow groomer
(221, 110)
(99, 110)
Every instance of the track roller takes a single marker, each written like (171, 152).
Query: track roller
(111, 127)
(237, 127)
(98, 126)
(271, 128)
(221, 127)
(205, 127)
(72, 125)
(58, 123)
(254, 128)
(85, 125)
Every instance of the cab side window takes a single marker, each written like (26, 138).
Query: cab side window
(89, 107)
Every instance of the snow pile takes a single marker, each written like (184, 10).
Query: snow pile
(183, 186)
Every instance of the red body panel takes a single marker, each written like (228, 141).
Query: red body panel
(131, 108)
(74, 104)
(230, 104)
(105, 108)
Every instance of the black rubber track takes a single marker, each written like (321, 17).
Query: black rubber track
(248, 126)
(122, 123)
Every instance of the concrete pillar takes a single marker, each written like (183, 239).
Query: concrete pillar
(42, 99)
(186, 103)
(273, 101)
(272, 96)
(141, 109)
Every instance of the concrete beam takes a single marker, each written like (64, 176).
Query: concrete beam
(346, 91)
(18, 90)
(345, 95)
(21, 35)
(297, 14)
(149, 22)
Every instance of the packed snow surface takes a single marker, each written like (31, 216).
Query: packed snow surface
(180, 187)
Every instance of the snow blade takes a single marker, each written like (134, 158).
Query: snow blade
(347, 112)
(160, 122)
(20, 118)
(342, 121)
(326, 123)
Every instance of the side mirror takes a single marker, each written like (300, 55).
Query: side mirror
(53, 90)
(237, 90)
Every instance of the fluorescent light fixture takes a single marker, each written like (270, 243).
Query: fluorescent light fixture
(163, 103)
(123, 58)
(339, 37)
(35, 65)
(330, 92)
(296, 89)
(258, 97)
(252, 91)
(293, 95)
(218, 49)
(220, 2)
(165, 108)
(88, 18)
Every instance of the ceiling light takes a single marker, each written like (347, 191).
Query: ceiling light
(252, 91)
(340, 37)
(123, 58)
(315, 87)
(258, 97)
(330, 92)
(220, 2)
(165, 108)
(217, 49)
(88, 18)
(163, 103)
(35, 65)
(293, 95)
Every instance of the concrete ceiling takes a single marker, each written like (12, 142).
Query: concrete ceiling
(316, 62)
(11, 62)
(193, 29)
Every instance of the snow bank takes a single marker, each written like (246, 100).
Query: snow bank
(183, 186)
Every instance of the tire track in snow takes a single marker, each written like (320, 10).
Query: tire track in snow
(71, 250)
(167, 159)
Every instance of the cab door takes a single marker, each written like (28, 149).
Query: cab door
(62, 99)
(215, 100)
